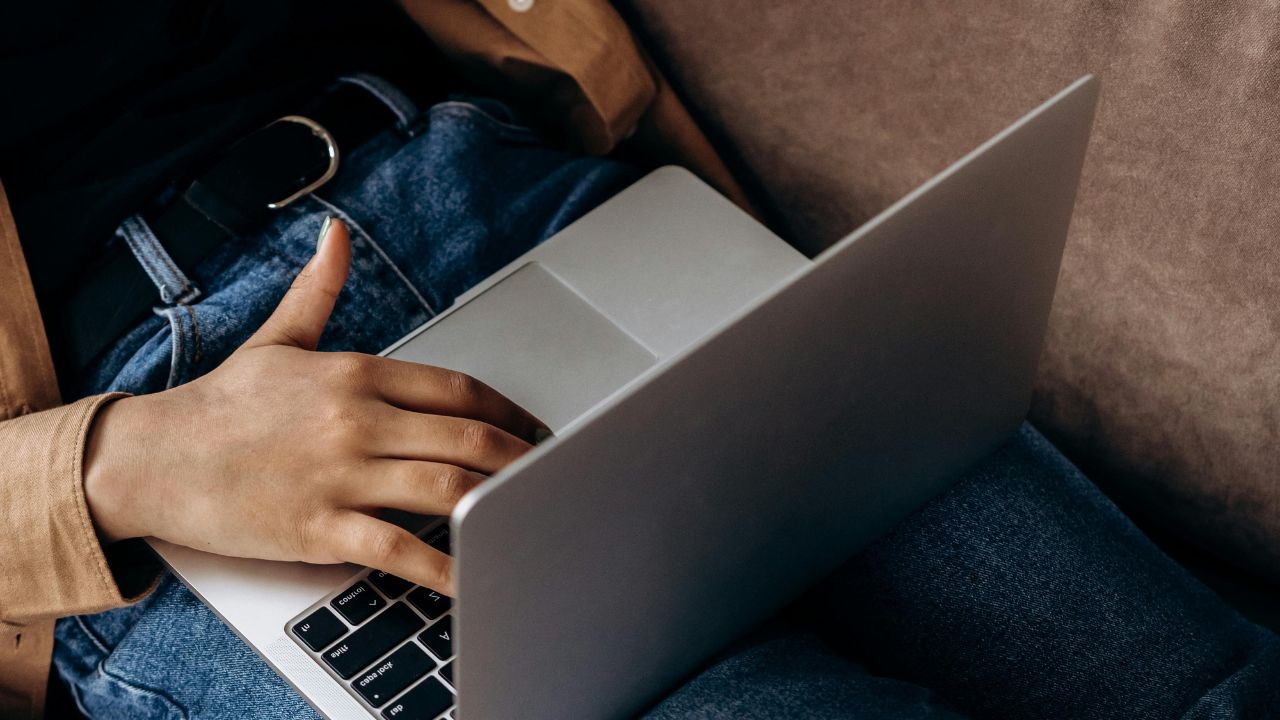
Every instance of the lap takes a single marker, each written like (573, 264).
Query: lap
(1024, 592)
(1021, 592)
(430, 215)
(793, 674)
(168, 656)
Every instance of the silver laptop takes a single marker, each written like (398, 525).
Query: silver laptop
(732, 421)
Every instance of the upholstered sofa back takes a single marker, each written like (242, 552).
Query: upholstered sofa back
(1161, 375)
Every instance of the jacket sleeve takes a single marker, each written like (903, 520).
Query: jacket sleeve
(53, 564)
(577, 64)
(51, 561)
(574, 61)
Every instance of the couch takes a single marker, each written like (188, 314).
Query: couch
(1161, 371)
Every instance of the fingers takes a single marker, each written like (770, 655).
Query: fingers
(469, 444)
(437, 391)
(301, 315)
(425, 488)
(358, 538)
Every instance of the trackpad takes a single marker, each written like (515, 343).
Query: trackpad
(538, 342)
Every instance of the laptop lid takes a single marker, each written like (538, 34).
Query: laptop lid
(607, 564)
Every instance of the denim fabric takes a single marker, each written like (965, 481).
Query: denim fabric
(793, 674)
(1022, 592)
(168, 657)
(171, 283)
(434, 207)
(467, 192)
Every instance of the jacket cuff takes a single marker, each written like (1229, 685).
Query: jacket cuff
(62, 567)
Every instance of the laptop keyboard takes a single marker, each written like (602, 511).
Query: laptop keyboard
(388, 641)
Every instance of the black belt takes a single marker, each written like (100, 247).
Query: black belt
(253, 180)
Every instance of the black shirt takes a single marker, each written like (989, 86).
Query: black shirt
(104, 103)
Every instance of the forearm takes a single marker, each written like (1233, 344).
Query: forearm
(54, 563)
(279, 453)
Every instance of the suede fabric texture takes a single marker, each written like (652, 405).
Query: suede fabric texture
(1161, 373)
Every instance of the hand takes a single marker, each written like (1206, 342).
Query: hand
(286, 453)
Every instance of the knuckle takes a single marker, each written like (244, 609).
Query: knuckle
(386, 546)
(341, 417)
(451, 483)
(305, 283)
(305, 278)
(479, 438)
(444, 574)
(465, 389)
(309, 536)
(351, 369)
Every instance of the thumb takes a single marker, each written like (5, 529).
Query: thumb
(301, 315)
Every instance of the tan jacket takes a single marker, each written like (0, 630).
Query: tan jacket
(574, 59)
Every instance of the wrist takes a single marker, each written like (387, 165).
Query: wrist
(112, 471)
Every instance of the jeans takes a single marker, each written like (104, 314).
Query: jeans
(1022, 592)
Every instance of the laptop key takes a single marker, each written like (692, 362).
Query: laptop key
(439, 638)
(358, 603)
(431, 603)
(446, 672)
(383, 681)
(319, 629)
(390, 585)
(372, 641)
(424, 702)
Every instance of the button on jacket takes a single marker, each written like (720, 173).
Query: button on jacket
(52, 563)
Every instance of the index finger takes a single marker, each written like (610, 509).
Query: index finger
(439, 391)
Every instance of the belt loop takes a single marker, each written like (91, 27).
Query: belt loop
(388, 94)
(174, 285)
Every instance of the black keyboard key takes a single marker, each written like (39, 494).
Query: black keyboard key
(438, 538)
(446, 672)
(424, 702)
(358, 603)
(390, 585)
(431, 603)
(395, 673)
(439, 638)
(319, 629)
(373, 640)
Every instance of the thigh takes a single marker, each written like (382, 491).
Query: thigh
(1023, 592)
(168, 656)
(468, 193)
(792, 675)
(431, 214)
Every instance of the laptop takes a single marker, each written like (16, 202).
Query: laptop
(732, 421)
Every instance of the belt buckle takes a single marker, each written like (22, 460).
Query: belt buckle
(332, 148)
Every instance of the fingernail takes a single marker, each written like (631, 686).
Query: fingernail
(541, 434)
(324, 231)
